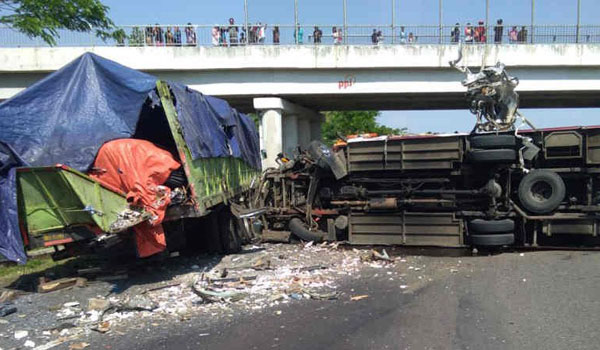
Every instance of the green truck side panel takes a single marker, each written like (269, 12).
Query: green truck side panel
(213, 180)
(54, 198)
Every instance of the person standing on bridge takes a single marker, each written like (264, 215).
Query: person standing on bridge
(317, 34)
(215, 36)
(498, 31)
(149, 32)
(402, 35)
(233, 32)
(455, 33)
(169, 38)
(299, 34)
(262, 33)
(480, 33)
(158, 36)
(276, 35)
(374, 37)
(522, 35)
(177, 36)
(468, 33)
(513, 35)
(190, 35)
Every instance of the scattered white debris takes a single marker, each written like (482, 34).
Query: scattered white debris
(21, 334)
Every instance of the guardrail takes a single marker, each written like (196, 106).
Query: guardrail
(235, 35)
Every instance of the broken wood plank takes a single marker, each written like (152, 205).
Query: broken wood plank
(276, 236)
(51, 286)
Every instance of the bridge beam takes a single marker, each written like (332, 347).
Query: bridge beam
(284, 126)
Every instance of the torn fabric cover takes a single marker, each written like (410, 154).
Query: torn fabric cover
(138, 168)
(65, 118)
(211, 128)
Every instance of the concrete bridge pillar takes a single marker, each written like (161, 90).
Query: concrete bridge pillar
(284, 126)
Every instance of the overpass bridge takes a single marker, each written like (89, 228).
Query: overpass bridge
(290, 84)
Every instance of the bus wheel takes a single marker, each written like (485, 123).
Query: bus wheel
(501, 155)
(541, 191)
(493, 141)
(491, 226)
(494, 240)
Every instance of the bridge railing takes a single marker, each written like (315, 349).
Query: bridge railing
(330, 34)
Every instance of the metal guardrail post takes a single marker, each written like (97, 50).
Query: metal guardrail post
(246, 21)
(578, 21)
(532, 20)
(296, 26)
(487, 21)
(440, 21)
(345, 33)
(393, 21)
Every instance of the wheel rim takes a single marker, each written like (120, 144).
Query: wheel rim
(541, 191)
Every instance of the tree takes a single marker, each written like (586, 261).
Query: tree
(43, 18)
(353, 122)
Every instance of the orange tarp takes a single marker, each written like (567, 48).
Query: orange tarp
(138, 168)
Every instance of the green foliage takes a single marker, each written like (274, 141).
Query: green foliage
(43, 18)
(343, 123)
(255, 119)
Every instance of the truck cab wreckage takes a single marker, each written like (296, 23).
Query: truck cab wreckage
(495, 186)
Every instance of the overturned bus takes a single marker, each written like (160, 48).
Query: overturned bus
(98, 156)
(496, 186)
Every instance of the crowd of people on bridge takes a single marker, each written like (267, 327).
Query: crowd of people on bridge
(478, 34)
(256, 34)
(160, 36)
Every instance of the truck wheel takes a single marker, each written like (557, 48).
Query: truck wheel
(493, 141)
(231, 241)
(541, 191)
(502, 155)
(492, 240)
(301, 231)
(479, 226)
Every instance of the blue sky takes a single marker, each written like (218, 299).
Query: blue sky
(379, 12)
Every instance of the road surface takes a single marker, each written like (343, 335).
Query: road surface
(532, 300)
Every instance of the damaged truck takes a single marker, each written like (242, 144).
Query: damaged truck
(495, 186)
(97, 156)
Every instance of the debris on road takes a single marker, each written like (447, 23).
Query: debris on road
(102, 327)
(51, 286)
(375, 255)
(96, 304)
(7, 295)
(21, 334)
(7, 309)
(138, 303)
(262, 276)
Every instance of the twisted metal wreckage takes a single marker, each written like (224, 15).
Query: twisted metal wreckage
(495, 186)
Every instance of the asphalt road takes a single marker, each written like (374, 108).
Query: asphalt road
(536, 300)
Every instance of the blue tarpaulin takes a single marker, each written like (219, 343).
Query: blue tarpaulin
(211, 128)
(67, 116)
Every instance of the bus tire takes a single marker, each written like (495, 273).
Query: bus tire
(300, 230)
(541, 191)
(492, 240)
(502, 155)
(493, 141)
(479, 226)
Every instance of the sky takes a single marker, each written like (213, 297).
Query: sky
(372, 12)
